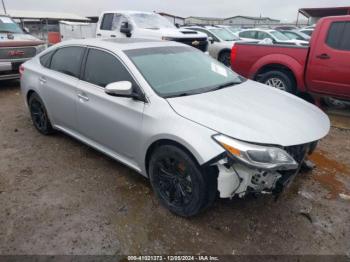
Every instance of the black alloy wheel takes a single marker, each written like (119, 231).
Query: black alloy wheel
(39, 115)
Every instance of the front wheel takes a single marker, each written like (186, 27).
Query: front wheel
(280, 80)
(225, 58)
(179, 182)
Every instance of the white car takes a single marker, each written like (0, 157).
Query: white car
(276, 36)
(220, 42)
(136, 24)
(307, 31)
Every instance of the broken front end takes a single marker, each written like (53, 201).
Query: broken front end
(247, 168)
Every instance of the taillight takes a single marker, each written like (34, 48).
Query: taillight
(233, 54)
(21, 70)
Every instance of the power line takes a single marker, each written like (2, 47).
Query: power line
(3, 5)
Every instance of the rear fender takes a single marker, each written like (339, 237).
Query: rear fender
(283, 60)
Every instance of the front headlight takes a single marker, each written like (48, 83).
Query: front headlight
(40, 48)
(263, 157)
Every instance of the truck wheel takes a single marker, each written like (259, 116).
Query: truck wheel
(280, 80)
(178, 181)
(39, 115)
(225, 58)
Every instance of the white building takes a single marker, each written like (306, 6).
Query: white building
(234, 21)
(195, 20)
(249, 21)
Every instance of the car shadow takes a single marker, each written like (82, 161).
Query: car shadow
(8, 85)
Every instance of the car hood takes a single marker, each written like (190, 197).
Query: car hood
(256, 113)
(19, 40)
(4, 37)
(178, 33)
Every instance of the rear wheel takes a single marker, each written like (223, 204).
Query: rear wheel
(178, 181)
(39, 115)
(225, 58)
(280, 80)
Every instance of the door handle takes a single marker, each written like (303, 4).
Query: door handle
(42, 80)
(113, 35)
(323, 56)
(98, 34)
(82, 97)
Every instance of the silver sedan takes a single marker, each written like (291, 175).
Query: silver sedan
(195, 128)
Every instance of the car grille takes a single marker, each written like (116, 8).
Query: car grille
(199, 43)
(13, 53)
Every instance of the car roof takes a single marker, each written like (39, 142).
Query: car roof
(121, 44)
(259, 29)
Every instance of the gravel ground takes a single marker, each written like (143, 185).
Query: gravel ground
(58, 196)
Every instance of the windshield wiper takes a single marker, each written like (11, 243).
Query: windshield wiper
(6, 31)
(179, 95)
(225, 85)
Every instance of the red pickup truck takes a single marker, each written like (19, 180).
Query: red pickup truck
(322, 69)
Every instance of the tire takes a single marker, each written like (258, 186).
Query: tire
(280, 80)
(336, 103)
(179, 182)
(225, 58)
(39, 115)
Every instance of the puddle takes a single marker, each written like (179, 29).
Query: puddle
(340, 120)
(327, 177)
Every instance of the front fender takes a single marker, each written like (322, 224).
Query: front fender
(196, 138)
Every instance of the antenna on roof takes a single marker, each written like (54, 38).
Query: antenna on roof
(3, 5)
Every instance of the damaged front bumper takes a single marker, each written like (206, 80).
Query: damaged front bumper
(238, 179)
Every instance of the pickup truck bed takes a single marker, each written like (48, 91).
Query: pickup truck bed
(254, 64)
(322, 69)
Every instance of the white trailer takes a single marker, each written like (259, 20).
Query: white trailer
(76, 30)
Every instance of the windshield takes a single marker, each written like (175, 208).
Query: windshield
(150, 21)
(279, 36)
(7, 25)
(180, 71)
(223, 34)
(234, 30)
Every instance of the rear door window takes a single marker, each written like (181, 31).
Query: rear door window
(67, 60)
(103, 68)
(339, 36)
(45, 60)
(107, 22)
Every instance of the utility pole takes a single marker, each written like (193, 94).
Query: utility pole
(3, 5)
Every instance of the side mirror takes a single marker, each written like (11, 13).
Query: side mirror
(211, 40)
(122, 88)
(126, 29)
(26, 30)
(177, 25)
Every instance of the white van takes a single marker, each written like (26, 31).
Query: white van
(121, 24)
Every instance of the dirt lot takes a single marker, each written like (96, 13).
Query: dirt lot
(58, 196)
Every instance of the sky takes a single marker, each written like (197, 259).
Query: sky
(279, 9)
